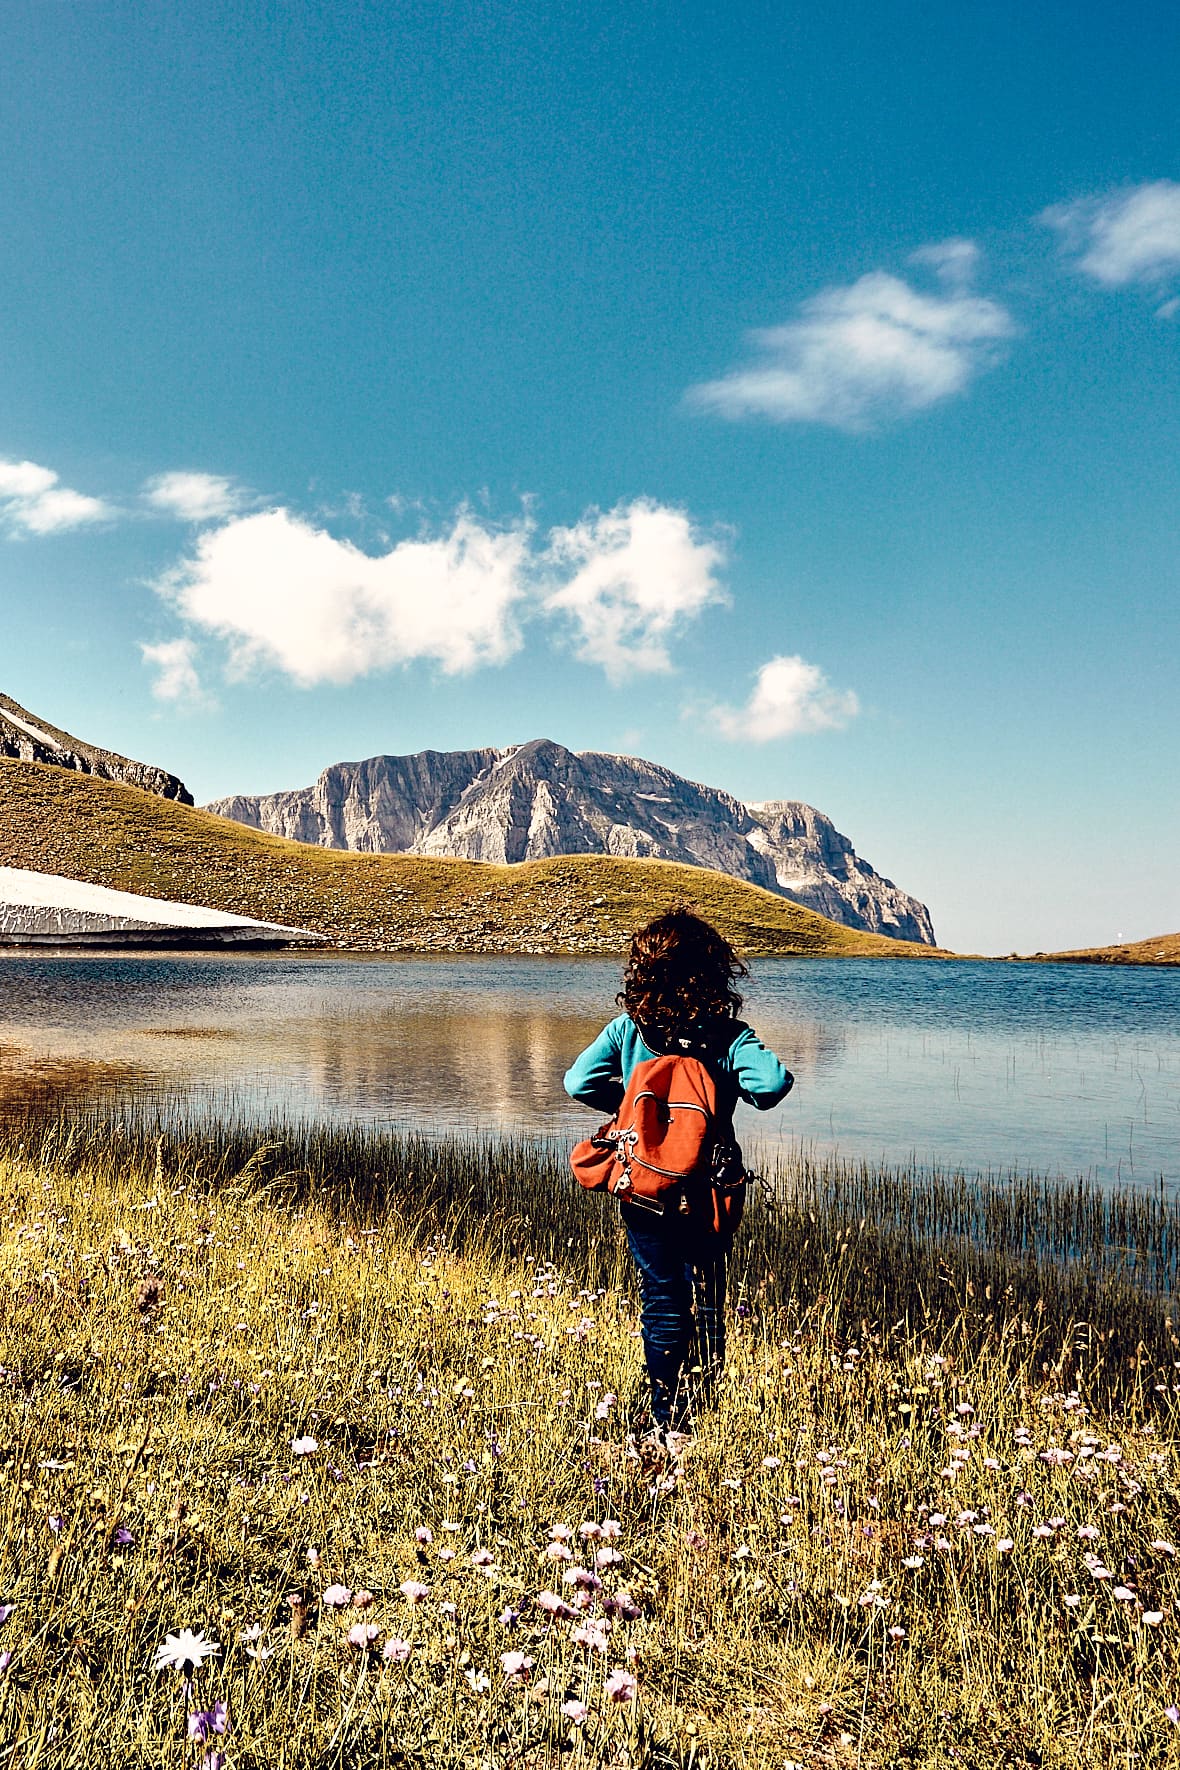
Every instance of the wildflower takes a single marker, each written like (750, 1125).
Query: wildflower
(363, 1635)
(207, 1721)
(560, 1532)
(423, 1534)
(581, 1576)
(577, 1712)
(1162, 1548)
(935, 1519)
(303, 1447)
(589, 1531)
(620, 1686)
(914, 1561)
(1173, 1714)
(897, 1633)
(607, 1557)
(123, 1538)
(610, 1530)
(313, 1557)
(251, 1639)
(557, 1551)
(6, 1612)
(448, 1609)
(517, 1666)
(483, 1558)
(363, 1600)
(1153, 1618)
(592, 1635)
(336, 1597)
(1004, 1545)
(1072, 1600)
(396, 1650)
(479, 1681)
(1124, 1594)
(446, 1554)
(413, 1591)
(603, 1409)
(509, 1617)
(1087, 1531)
(552, 1604)
(772, 1462)
(185, 1652)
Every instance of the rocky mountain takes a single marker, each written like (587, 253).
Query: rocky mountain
(536, 800)
(29, 739)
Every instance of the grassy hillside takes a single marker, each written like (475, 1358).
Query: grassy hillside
(54, 821)
(1163, 950)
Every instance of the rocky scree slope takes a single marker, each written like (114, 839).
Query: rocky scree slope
(538, 800)
(25, 738)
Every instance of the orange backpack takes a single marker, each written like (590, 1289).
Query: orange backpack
(663, 1150)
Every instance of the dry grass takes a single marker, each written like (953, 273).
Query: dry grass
(891, 1545)
(54, 821)
(1163, 950)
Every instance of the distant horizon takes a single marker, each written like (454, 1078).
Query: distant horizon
(792, 402)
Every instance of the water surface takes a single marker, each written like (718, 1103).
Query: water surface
(1058, 1068)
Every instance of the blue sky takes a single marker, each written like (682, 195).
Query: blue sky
(786, 394)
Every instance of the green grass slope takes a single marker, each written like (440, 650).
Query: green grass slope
(54, 821)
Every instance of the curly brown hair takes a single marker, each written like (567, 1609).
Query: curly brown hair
(680, 972)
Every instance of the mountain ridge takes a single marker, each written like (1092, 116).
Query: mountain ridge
(539, 800)
(25, 738)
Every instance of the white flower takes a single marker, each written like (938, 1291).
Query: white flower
(185, 1652)
(303, 1447)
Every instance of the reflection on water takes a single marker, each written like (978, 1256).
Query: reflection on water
(1058, 1068)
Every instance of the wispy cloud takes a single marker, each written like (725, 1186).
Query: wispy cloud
(177, 680)
(287, 595)
(194, 497)
(1122, 237)
(790, 697)
(874, 350)
(34, 502)
(639, 573)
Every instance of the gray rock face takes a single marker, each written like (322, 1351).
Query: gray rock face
(29, 739)
(537, 800)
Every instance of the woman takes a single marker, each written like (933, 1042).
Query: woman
(678, 994)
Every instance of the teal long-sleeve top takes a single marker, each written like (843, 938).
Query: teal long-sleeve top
(745, 1069)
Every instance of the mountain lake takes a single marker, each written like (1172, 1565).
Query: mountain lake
(990, 1067)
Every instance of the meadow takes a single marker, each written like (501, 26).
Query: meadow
(316, 1452)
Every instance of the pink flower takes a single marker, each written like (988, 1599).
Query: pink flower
(557, 1551)
(424, 1534)
(552, 1604)
(592, 1635)
(620, 1686)
(363, 1600)
(517, 1666)
(577, 1712)
(303, 1447)
(363, 1635)
(1153, 1618)
(336, 1597)
(395, 1650)
(413, 1591)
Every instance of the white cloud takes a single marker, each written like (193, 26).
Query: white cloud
(177, 680)
(194, 497)
(875, 350)
(1128, 236)
(285, 594)
(790, 697)
(639, 572)
(32, 501)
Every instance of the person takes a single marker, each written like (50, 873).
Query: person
(679, 990)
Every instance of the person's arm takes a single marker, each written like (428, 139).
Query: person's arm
(595, 1078)
(762, 1080)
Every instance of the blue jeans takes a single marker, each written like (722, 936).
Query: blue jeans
(682, 1309)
